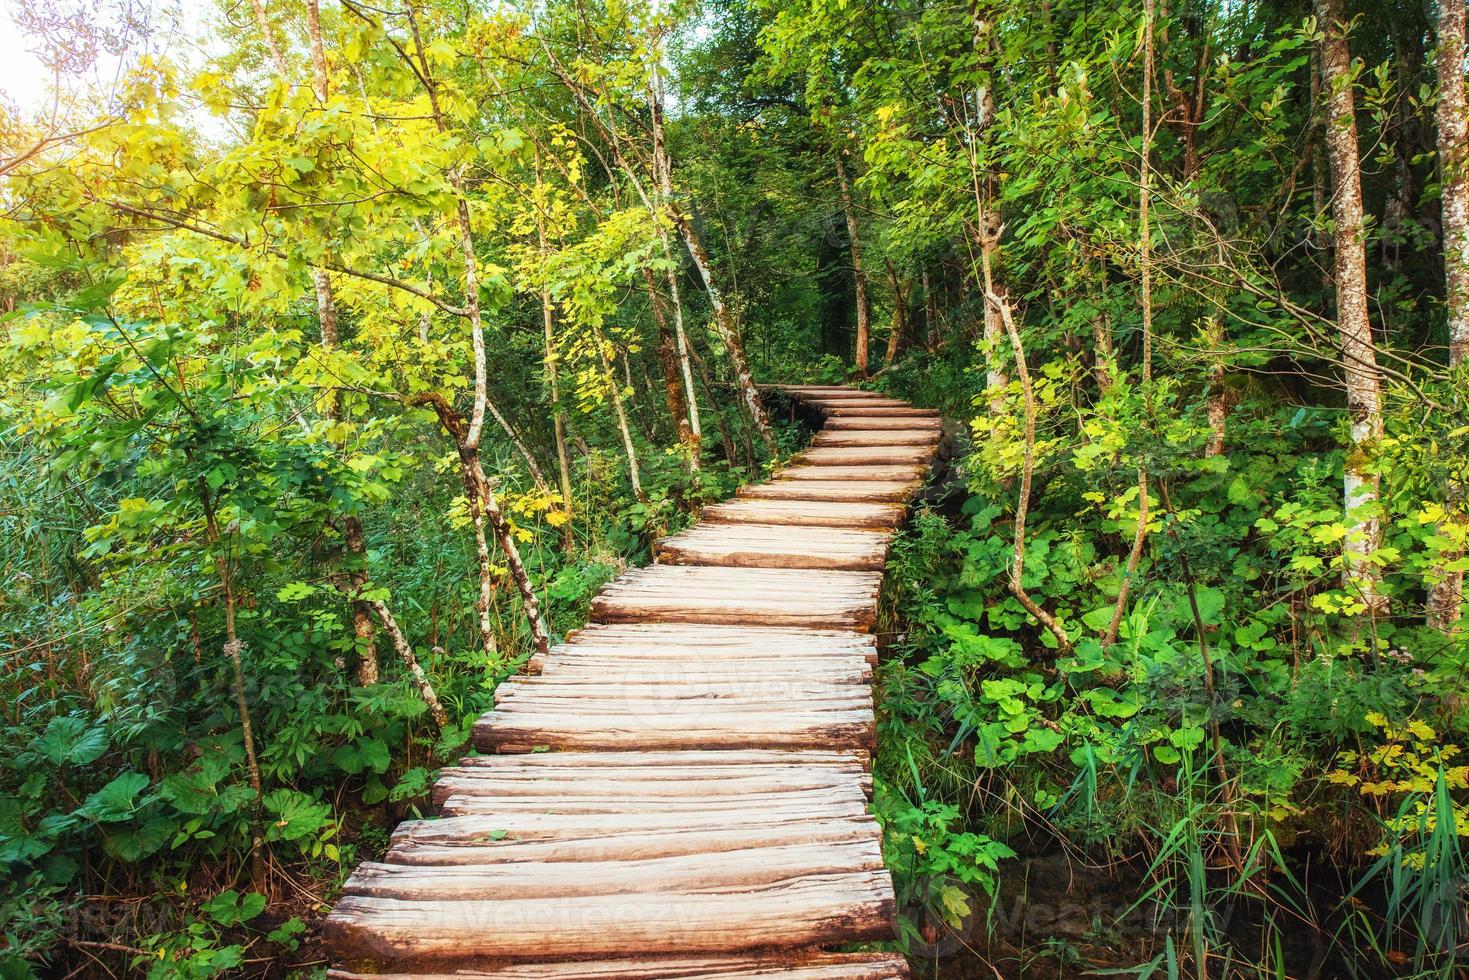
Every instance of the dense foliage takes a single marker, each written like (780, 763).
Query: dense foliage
(337, 373)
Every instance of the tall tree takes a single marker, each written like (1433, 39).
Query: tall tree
(1446, 595)
(859, 275)
(1354, 329)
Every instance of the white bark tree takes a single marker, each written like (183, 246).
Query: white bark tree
(1361, 483)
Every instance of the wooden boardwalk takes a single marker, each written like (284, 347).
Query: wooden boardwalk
(681, 789)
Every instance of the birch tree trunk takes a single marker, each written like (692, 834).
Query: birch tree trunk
(621, 412)
(729, 336)
(1359, 356)
(415, 669)
(663, 171)
(558, 411)
(467, 434)
(548, 325)
(668, 362)
(724, 324)
(859, 277)
(1446, 594)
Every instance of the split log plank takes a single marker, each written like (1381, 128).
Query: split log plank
(877, 437)
(837, 423)
(726, 870)
(864, 455)
(863, 410)
(832, 490)
(812, 513)
(679, 642)
(796, 912)
(744, 674)
(755, 596)
(909, 473)
(528, 730)
(790, 966)
(824, 403)
(478, 840)
(773, 546)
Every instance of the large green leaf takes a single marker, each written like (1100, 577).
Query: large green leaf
(118, 800)
(69, 741)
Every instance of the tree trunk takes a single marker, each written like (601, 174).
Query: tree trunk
(1217, 405)
(663, 168)
(537, 475)
(467, 435)
(234, 648)
(415, 669)
(1145, 195)
(621, 412)
(558, 411)
(724, 326)
(483, 508)
(1359, 356)
(1103, 353)
(859, 277)
(681, 345)
(900, 317)
(1027, 473)
(668, 362)
(1446, 594)
(363, 631)
(272, 46)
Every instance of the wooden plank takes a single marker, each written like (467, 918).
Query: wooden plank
(878, 438)
(680, 642)
(829, 401)
(889, 473)
(655, 762)
(864, 455)
(863, 410)
(818, 800)
(829, 391)
(738, 673)
(482, 840)
(753, 867)
(602, 782)
(811, 910)
(526, 730)
(675, 691)
(838, 422)
(833, 490)
(789, 966)
(812, 513)
(774, 546)
(756, 596)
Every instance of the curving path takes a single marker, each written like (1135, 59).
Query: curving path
(679, 790)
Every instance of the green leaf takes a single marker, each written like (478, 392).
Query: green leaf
(189, 792)
(229, 908)
(296, 814)
(118, 800)
(68, 741)
(139, 842)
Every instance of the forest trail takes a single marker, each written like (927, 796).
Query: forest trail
(681, 789)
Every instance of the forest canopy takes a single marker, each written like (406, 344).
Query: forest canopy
(347, 349)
